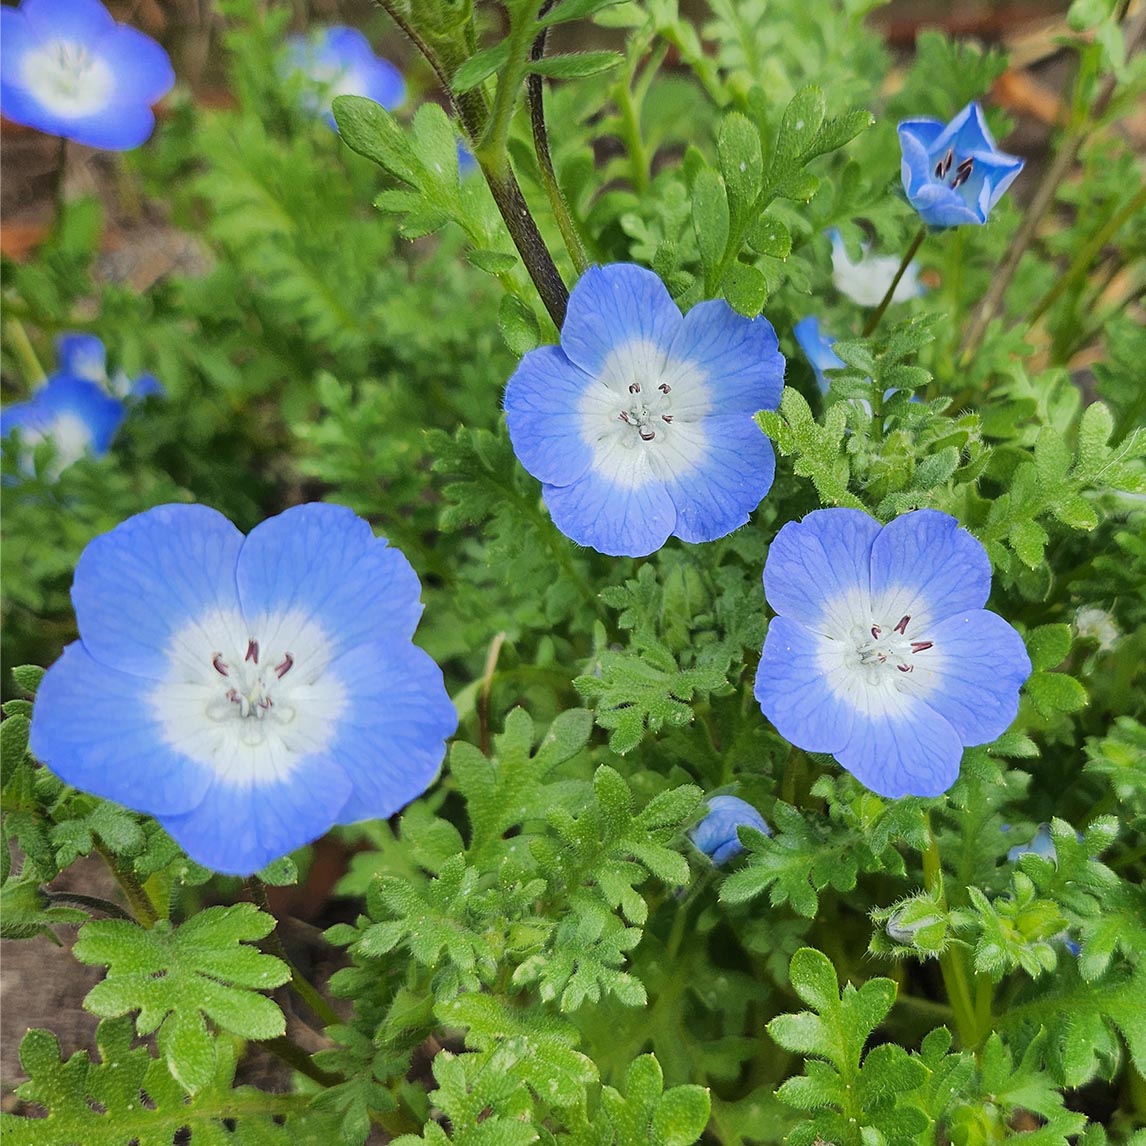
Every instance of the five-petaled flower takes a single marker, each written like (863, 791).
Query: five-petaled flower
(953, 173)
(882, 653)
(339, 61)
(639, 425)
(716, 836)
(67, 68)
(249, 692)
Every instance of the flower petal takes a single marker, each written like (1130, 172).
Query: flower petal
(736, 472)
(391, 737)
(542, 401)
(905, 749)
(151, 577)
(966, 133)
(620, 519)
(80, 21)
(63, 396)
(816, 565)
(82, 356)
(239, 828)
(794, 693)
(981, 666)
(916, 137)
(384, 83)
(323, 563)
(142, 68)
(739, 359)
(613, 305)
(924, 565)
(94, 728)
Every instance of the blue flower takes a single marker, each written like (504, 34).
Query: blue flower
(716, 836)
(882, 653)
(84, 356)
(954, 173)
(67, 68)
(639, 425)
(249, 692)
(1040, 844)
(866, 282)
(78, 415)
(818, 350)
(339, 61)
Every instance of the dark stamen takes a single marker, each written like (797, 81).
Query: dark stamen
(963, 172)
(647, 435)
(944, 165)
(635, 388)
(920, 646)
(220, 664)
(664, 387)
(906, 668)
(624, 416)
(901, 627)
(252, 652)
(282, 669)
(666, 417)
(875, 631)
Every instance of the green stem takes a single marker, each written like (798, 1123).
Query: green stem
(535, 94)
(89, 902)
(1082, 261)
(141, 905)
(885, 302)
(25, 351)
(303, 987)
(953, 961)
(293, 1055)
(631, 137)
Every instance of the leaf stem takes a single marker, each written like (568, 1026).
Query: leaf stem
(144, 910)
(293, 1055)
(303, 987)
(22, 344)
(905, 262)
(535, 94)
(486, 685)
(952, 962)
(90, 902)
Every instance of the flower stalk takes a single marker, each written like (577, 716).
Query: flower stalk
(885, 302)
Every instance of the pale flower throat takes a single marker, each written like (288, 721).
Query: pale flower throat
(248, 691)
(68, 79)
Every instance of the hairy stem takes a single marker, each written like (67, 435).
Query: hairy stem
(1044, 197)
(89, 903)
(885, 302)
(142, 908)
(294, 1056)
(535, 94)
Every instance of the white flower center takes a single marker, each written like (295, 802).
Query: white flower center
(249, 702)
(874, 660)
(642, 416)
(68, 79)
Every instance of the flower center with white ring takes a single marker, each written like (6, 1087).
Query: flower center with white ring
(68, 79)
(883, 649)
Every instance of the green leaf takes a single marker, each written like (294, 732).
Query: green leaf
(1048, 646)
(576, 65)
(518, 325)
(492, 262)
(710, 217)
(172, 974)
(681, 1116)
(1056, 692)
(768, 236)
(369, 129)
(745, 288)
(28, 677)
(741, 161)
(479, 67)
(568, 10)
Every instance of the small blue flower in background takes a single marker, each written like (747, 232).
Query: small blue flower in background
(882, 653)
(1040, 844)
(78, 415)
(818, 350)
(67, 68)
(339, 61)
(716, 836)
(639, 425)
(953, 173)
(866, 282)
(249, 692)
(84, 356)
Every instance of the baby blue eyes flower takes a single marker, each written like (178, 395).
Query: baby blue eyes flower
(866, 282)
(1040, 844)
(639, 425)
(84, 356)
(339, 61)
(77, 414)
(249, 692)
(882, 653)
(954, 173)
(67, 68)
(716, 836)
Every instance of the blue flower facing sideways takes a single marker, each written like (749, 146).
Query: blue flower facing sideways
(339, 61)
(953, 173)
(716, 836)
(639, 425)
(818, 350)
(67, 68)
(249, 692)
(882, 653)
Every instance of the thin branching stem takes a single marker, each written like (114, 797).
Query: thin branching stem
(142, 908)
(294, 1056)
